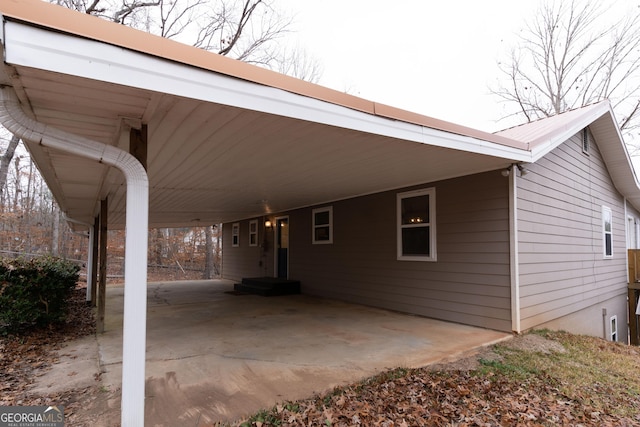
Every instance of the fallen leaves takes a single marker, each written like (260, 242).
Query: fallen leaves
(24, 357)
(594, 389)
(496, 394)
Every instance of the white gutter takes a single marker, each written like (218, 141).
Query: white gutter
(137, 218)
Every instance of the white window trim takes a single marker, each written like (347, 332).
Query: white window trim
(613, 324)
(314, 225)
(253, 222)
(606, 210)
(235, 234)
(432, 224)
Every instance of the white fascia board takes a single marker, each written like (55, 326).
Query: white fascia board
(63, 53)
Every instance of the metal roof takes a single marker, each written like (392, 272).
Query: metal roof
(227, 140)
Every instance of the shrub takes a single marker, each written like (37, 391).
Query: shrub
(34, 293)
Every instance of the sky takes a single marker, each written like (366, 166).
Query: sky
(437, 58)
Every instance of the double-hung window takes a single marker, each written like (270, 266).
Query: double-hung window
(417, 225)
(253, 232)
(322, 225)
(607, 232)
(235, 234)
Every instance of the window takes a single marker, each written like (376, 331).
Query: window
(614, 328)
(235, 234)
(417, 225)
(632, 232)
(322, 225)
(253, 232)
(586, 137)
(607, 233)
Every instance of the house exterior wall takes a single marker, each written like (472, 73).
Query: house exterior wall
(245, 260)
(633, 228)
(469, 282)
(565, 278)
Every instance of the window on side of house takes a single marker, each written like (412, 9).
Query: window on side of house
(614, 327)
(322, 225)
(417, 225)
(253, 232)
(235, 234)
(632, 232)
(586, 140)
(607, 232)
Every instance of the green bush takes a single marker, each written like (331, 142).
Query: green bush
(34, 293)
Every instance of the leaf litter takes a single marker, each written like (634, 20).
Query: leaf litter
(538, 379)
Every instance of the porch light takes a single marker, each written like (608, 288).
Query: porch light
(506, 172)
(267, 224)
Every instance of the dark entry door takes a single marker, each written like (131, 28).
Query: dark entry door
(282, 245)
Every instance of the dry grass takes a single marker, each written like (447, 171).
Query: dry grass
(540, 379)
(599, 374)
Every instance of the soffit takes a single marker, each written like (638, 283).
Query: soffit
(211, 163)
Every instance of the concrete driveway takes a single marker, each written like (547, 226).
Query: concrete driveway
(212, 355)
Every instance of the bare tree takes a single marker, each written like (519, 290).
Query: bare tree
(298, 63)
(208, 265)
(5, 161)
(242, 29)
(572, 53)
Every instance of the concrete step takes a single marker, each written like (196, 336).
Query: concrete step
(268, 286)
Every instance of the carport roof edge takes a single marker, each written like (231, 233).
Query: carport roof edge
(64, 20)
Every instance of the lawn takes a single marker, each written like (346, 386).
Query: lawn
(543, 378)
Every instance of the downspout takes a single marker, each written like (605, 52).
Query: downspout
(513, 250)
(137, 220)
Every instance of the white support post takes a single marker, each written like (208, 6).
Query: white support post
(91, 254)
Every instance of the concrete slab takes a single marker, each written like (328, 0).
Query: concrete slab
(77, 367)
(216, 356)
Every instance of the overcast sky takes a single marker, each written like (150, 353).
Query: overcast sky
(436, 58)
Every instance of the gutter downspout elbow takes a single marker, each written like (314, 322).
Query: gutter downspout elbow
(137, 223)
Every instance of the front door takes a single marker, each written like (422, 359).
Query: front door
(282, 247)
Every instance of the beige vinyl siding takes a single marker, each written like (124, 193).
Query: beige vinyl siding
(245, 260)
(469, 282)
(561, 259)
(633, 229)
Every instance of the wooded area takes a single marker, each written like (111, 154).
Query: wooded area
(248, 30)
(31, 224)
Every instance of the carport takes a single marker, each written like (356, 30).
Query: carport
(171, 135)
(214, 356)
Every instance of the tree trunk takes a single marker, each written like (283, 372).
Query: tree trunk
(158, 246)
(55, 249)
(208, 264)
(5, 161)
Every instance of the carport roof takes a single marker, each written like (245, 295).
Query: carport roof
(226, 140)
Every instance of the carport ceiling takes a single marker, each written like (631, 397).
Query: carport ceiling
(220, 148)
